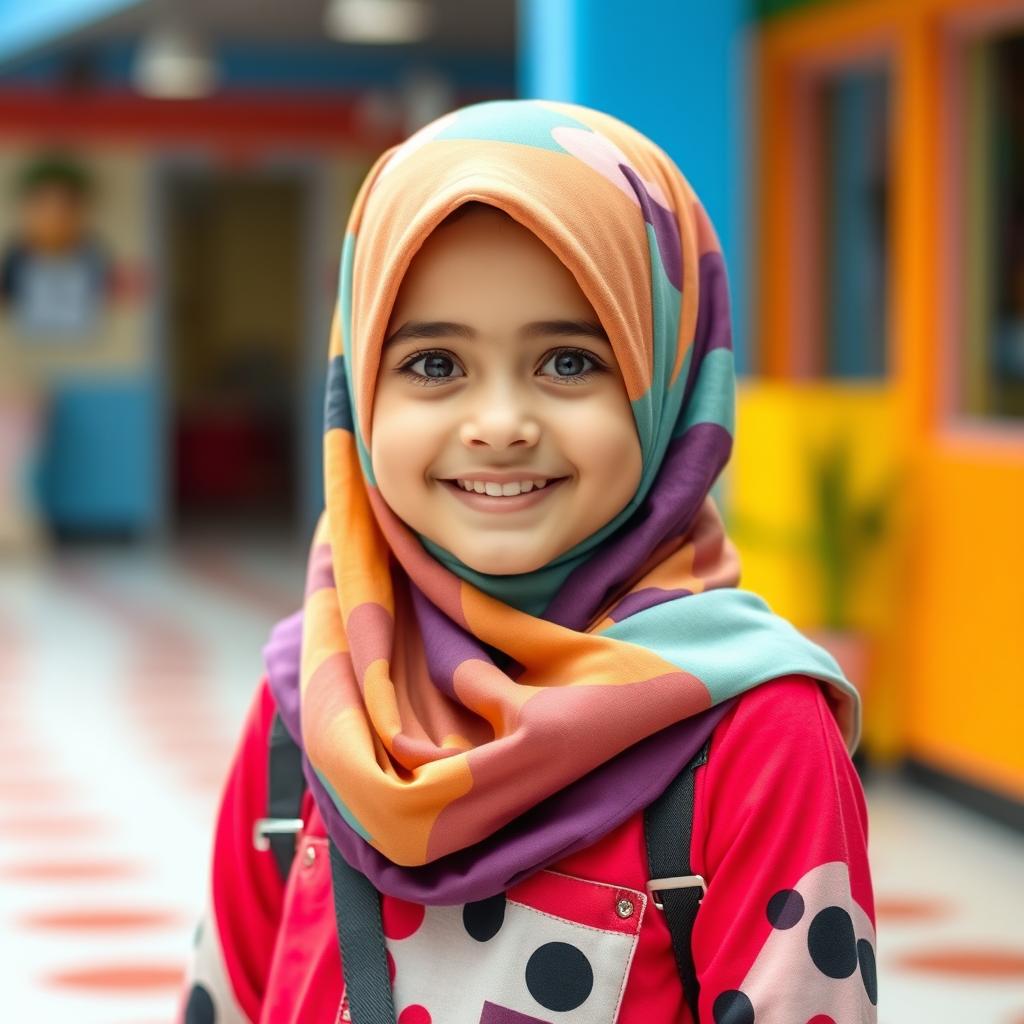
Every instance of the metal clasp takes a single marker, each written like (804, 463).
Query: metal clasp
(264, 827)
(675, 882)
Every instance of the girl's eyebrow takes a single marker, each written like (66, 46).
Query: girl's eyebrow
(536, 329)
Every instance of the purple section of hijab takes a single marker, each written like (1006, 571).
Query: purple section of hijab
(688, 469)
(565, 822)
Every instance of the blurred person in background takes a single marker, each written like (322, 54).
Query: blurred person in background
(54, 274)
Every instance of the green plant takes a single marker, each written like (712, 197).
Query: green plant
(843, 530)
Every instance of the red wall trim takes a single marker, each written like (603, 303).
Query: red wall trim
(240, 120)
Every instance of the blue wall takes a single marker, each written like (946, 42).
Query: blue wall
(676, 70)
(101, 469)
(27, 25)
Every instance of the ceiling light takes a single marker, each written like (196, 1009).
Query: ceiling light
(172, 63)
(378, 21)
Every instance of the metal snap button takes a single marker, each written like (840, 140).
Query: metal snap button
(309, 855)
(624, 907)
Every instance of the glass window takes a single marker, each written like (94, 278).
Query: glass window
(851, 238)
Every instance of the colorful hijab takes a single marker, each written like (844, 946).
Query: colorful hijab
(462, 730)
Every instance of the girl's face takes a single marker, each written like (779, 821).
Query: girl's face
(496, 370)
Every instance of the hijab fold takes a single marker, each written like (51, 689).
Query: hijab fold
(462, 730)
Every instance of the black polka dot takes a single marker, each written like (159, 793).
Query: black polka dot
(866, 956)
(831, 943)
(200, 1007)
(785, 908)
(483, 918)
(733, 1007)
(559, 976)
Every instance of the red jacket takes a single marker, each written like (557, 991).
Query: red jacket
(785, 933)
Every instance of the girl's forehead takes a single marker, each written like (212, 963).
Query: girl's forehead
(475, 226)
(489, 253)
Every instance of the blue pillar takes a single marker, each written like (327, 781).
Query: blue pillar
(676, 70)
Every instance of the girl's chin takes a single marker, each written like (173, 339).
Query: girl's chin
(487, 564)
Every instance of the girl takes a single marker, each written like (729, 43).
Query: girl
(522, 623)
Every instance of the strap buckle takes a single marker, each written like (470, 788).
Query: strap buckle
(264, 827)
(654, 885)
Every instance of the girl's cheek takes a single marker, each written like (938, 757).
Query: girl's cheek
(405, 444)
(606, 450)
(595, 429)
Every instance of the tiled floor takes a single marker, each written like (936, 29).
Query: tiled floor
(124, 676)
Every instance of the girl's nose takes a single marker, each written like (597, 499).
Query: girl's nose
(500, 422)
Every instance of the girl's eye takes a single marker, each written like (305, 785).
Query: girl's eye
(573, 362)
(434, 366)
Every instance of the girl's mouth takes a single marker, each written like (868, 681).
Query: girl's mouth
(503, 503)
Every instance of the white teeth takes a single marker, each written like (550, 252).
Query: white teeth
(497, 490)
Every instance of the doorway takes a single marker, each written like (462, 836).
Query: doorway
(234, 341)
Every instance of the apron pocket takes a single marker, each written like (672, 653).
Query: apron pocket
(554, 947)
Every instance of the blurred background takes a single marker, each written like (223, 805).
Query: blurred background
(175, 179)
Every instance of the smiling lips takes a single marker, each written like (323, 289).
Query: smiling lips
(491, 496)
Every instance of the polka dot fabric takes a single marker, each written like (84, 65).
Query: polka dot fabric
(554, 943)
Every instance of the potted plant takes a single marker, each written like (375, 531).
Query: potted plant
(845, 530)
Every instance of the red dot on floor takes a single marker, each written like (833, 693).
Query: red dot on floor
(414, 1014)
(189, 747)
(23, 826)
(199, 776)
(17, 756)
(400, 917)
(391, 966)
(68, 870)
(821, 1018)
(206, 783)
(100, 920)
(33, 789)
(968, 962)
(909, 909)
(120, 978)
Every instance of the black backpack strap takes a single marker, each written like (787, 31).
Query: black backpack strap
(668, 826)
(356, 901)
(285, 787)
(361, 940)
